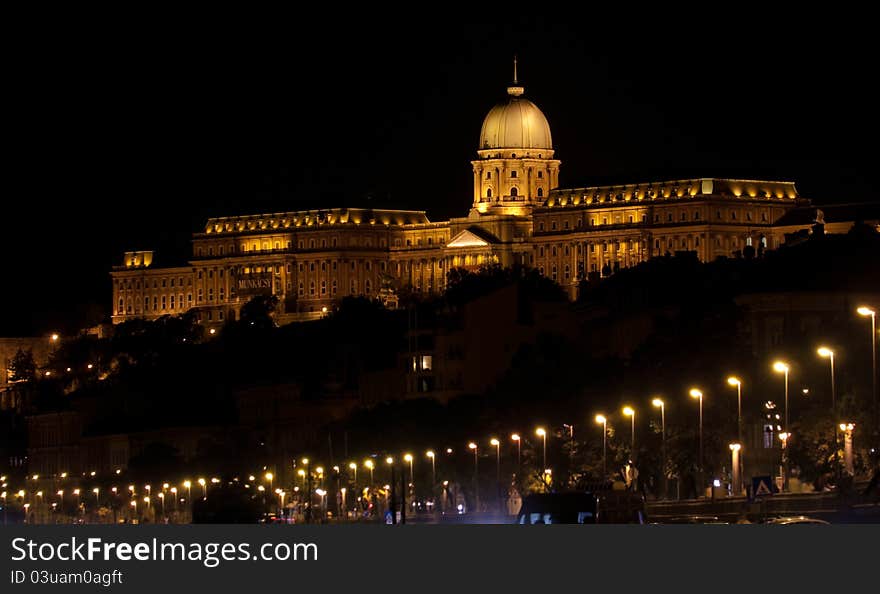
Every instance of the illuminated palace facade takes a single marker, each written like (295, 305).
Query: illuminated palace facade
(312, 259)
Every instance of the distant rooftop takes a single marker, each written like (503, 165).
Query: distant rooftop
(307, 218)
(671, 189)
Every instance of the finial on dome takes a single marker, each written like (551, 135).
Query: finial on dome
(515, 89)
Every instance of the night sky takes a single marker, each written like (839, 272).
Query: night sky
(128, 137)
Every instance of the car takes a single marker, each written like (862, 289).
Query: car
(789, 520)
(692, 519)
(608, 507)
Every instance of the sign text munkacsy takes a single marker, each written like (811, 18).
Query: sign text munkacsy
(254, 284)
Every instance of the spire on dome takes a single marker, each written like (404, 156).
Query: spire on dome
(515, 89)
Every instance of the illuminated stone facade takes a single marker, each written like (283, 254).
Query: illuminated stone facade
(519, 215)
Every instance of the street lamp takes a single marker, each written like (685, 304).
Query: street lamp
(369, 464)
(430, 454)
(408, 458)
(735, 466)
(96, 491)
(201, 481)
(870, 311)
(540, 432)
(782, 367)
(473, 446)
(354, 467)
(847, 429)
(497, 445)
(188, 486)
(784, 437)
(829, 354)
(735, 381)
(600, 419)
(629, 412)
(695, 393)
(270, 477)
(659, 403)
(515, 437)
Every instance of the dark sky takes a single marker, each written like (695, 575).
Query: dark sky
(128, 136)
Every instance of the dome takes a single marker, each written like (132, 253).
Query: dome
(515, 123)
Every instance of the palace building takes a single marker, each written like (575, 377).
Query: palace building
(520, 215)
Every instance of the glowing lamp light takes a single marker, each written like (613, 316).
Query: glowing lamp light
(472, 446)
(695, 393)
(824, 352)
(515, 437)
(494, 442)
(735, 447)
(733, 381)
(657, 402)
(780, 366)
(628, 411)
(540, 432)
(430, 454)
(600, 419)
(866, 311)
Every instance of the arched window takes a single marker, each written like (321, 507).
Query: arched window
(540, 175)
(312, 288)
(367, 287)
(514, 192)
(540, 192)
(488, 175)
(513, 173)
(301, 290)
(488, 192)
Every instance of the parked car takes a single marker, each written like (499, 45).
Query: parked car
(788, 520)
(604, 507)
(692, 519)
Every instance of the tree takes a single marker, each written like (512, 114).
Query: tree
(22, 367)
(259, 311)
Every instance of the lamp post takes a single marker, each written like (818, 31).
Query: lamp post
(540, 432)
(369, 464)
(870, 311)
(782, 367)
(736, 482)
(473, 446)
(354, 467)
(735, 381)
(269, 477)
(515, 437)
(409, 458)
(784, 438)
(659, 403)
(188, 485)
(204, 485)
(695, 393)
(829, 354)
(600, 419)
(631, 413)
(430, 454)
(847, 429)
(497, 445)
